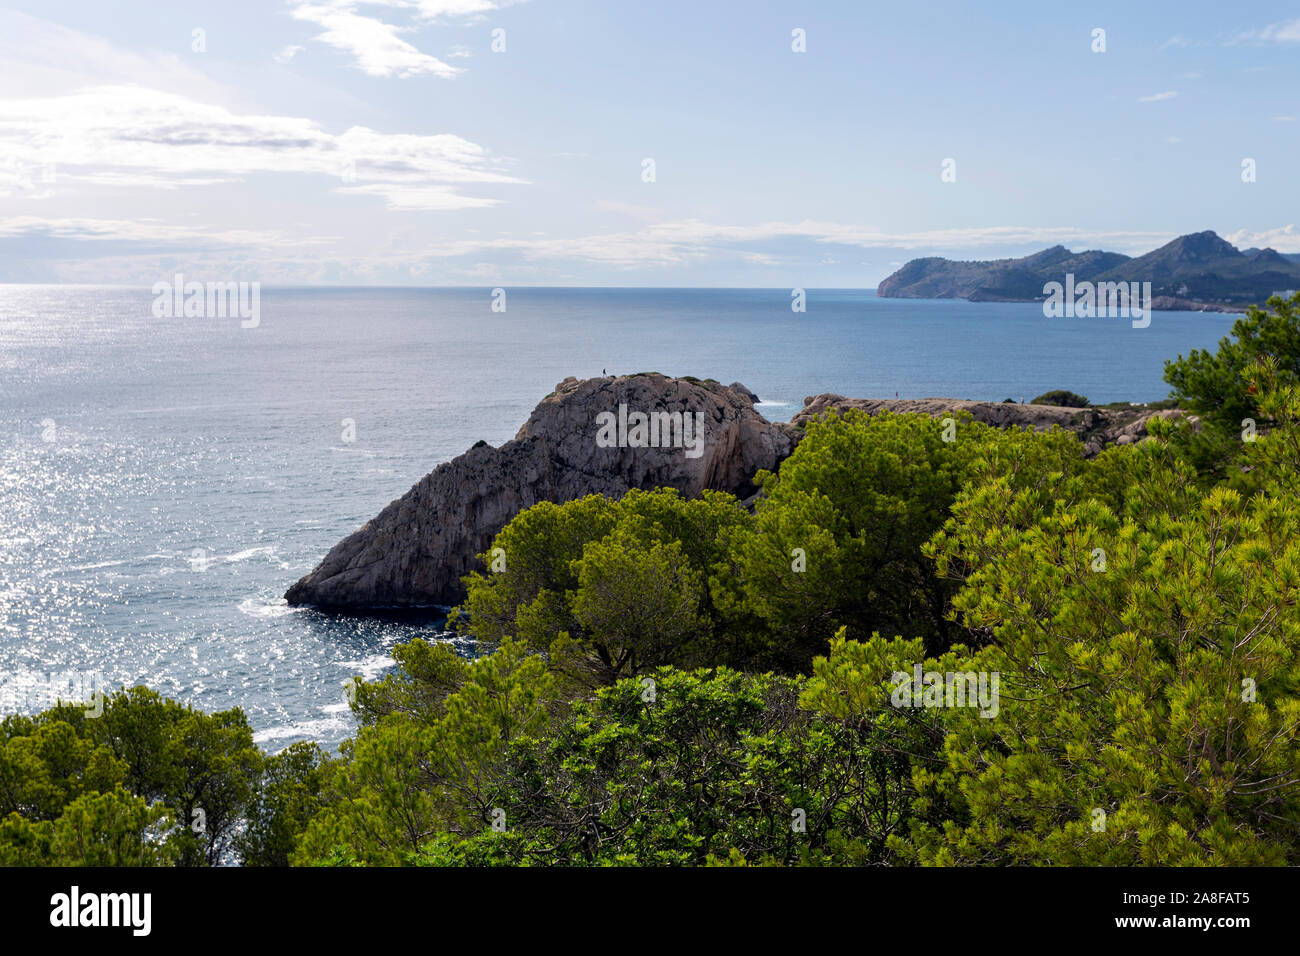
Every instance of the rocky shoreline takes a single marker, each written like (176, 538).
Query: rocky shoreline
(413, 553)
(1169, 303)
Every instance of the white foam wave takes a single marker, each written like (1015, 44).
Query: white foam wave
(248, 553)
(322, 728)
(369, 667)
(263, 609)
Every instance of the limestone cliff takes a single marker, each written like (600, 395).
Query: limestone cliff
(415, 551)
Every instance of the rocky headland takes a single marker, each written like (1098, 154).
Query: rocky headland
(414, 552)
(1200, 272)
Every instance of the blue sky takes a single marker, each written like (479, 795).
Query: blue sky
(341, 141)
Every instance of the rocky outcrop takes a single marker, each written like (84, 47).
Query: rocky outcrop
(737, 387)
(1097, 427)
(415, 552)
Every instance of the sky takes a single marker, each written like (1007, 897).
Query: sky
(677, 143)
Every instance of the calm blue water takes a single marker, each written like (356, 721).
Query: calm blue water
(162, 481)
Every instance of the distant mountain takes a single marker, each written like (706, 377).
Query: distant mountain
(1195, 271)
(998, 280)
(1289, 256)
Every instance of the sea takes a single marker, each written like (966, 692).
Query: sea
(164, 479)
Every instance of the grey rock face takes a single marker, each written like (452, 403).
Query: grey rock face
(414, 553)
(737, 387)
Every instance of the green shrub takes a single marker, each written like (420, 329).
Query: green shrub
(1061, 396)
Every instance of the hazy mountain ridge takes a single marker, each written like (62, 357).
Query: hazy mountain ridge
(1195, 271)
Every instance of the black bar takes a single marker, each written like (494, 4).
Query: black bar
(340, 906)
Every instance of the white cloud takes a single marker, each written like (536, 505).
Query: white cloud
(134, 136)
(1158, 97)
(679, 242)
(404, 198)
(1288, 31)
(375, 45)
(25, 178)
(446, 9)
(1284, 32)
(125, 180)
(633, 210)
(40, 58)
(145, 230)
(288, 53)
(1283, 239)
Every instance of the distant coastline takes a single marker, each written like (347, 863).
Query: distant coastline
(1200, 272)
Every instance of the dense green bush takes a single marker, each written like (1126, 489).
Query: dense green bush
(146, 781)
(1153, 679)
(1217, 386)
(407, 777)
(1061, 396)
(684, 767)
(611, 588)
(837, 535)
